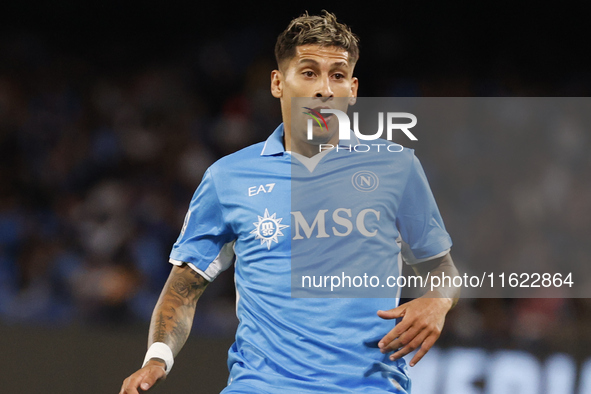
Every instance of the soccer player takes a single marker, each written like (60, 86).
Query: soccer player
(241, 213)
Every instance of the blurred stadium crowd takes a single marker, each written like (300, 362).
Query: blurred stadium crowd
(98, 165)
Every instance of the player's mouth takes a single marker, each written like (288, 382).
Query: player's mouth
(327, 115)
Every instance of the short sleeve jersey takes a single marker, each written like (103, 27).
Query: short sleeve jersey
(265, 210)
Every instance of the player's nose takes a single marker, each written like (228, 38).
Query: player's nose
(323, 88)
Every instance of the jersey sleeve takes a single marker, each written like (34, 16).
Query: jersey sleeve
(418, 219)
(206, 242)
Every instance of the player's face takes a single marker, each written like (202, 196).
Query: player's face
(321, 74)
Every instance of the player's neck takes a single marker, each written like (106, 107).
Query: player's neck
(294, 145)
(286, 139)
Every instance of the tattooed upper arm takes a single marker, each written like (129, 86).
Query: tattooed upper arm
(187, 284)
(173, 315)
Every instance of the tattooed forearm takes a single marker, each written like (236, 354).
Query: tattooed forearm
(159, 328)
(180, 331)
(173, 315)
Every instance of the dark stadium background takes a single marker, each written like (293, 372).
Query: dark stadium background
(110, 113)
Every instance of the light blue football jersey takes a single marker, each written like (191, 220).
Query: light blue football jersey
(269, 210)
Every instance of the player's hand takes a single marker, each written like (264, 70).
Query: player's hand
(421, 325)
(144, 379)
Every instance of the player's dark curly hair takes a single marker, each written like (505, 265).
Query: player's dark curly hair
(321, 30)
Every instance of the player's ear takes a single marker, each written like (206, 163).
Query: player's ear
(276, 83)
(354, 87)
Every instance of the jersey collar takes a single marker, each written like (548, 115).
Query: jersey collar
(274, 144)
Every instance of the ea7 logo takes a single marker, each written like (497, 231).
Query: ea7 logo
(341, 217)
(254, 190)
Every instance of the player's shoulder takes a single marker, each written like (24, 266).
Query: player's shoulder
(393, 152)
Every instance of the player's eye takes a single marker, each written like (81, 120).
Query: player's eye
(339, 76)
(308, 74)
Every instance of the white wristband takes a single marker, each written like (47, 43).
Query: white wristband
(162, 351)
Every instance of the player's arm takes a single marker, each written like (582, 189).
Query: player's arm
(437, 267)
(171, 324)
(422, 318)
